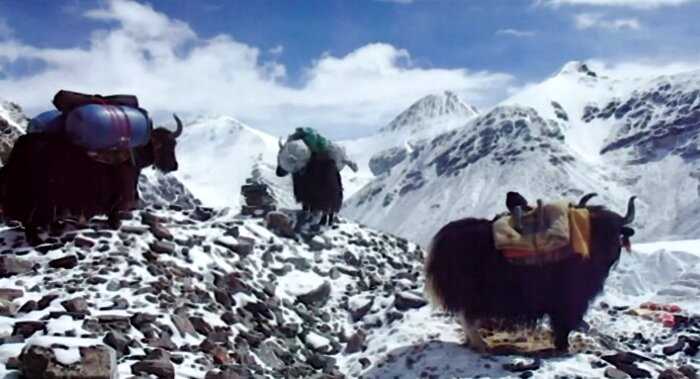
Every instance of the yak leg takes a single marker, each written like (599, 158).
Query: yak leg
(31, 233)
(472, 336)
(563, 323)
(325, 219)
(113, 220)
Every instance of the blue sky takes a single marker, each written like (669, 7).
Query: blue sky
(346, 67)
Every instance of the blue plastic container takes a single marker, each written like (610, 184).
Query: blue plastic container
(49, 122)
(97, 126)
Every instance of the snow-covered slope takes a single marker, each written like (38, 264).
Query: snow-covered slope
(429, 116)
(469, 170)
(12, 124)
(437, 112)
(616, 137)
(217, 154)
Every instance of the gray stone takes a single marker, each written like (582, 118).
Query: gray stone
(280, 224)
(10, 266)
(7, 308)
(407, 300)
(10, 294)
(163, 247)
(76, 305)
(613, 373)
(317, 297)
(160, 368)
(356, 342)
(119, 342)
(97, 362)
(66, 262)
(183, 325)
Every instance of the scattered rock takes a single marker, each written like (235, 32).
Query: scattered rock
(10, 294)
(119, 342)
(183, 325)
(317, 297)
(7, 308)
(160, 368)
(161, 232)
(97, 362)
(356, 342)
(10, 266)
(83, 242)
(671, 373)
(163, 247)
(27, 328)
(613, 373)
(67, 262)
(77, 305)
(280, 224)
(408, 300)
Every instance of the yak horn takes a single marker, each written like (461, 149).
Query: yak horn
(629, 217)
(178, 131)
(280, 143)
(518, 218)
(584, 200)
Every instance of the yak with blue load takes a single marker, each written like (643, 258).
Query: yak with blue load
(82, 160)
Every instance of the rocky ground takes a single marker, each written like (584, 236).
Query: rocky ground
(197, 294)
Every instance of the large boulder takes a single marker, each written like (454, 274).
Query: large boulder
(86, 362)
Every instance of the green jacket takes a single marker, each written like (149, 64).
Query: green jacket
(316, 142)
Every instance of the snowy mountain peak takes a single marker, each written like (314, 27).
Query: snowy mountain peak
(577, 68)
(429, 110)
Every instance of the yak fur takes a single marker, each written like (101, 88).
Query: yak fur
(318, 186)
(47, 178)
(468, 277)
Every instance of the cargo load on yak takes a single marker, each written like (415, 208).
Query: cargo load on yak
(548, 232)
(294, 156)
(96, 122)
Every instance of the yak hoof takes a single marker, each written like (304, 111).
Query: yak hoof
(113, 221)
(32, 237)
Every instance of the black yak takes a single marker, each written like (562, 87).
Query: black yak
(469, 278)
(318, 187)
(47, 178)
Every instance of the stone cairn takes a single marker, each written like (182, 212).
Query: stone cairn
(258, 199)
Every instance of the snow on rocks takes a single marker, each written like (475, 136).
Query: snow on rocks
(194, 293)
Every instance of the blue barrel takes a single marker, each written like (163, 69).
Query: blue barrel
(49, 122)
(97, 126)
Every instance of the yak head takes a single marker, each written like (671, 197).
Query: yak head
(292, 157)
(163, 142)
(610, 232)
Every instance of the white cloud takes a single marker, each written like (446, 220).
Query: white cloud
(642, 68)
(599, 21)
(639, 4)
(516, 33)
(171, 68)
(277, 50)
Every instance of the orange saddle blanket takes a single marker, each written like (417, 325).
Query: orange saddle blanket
(548, 233)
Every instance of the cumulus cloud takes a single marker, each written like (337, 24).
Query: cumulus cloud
(516, 33)
(639, 4)
(171, 68)
(599, 21)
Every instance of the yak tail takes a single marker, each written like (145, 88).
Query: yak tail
(455, 262)
(431, 291)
